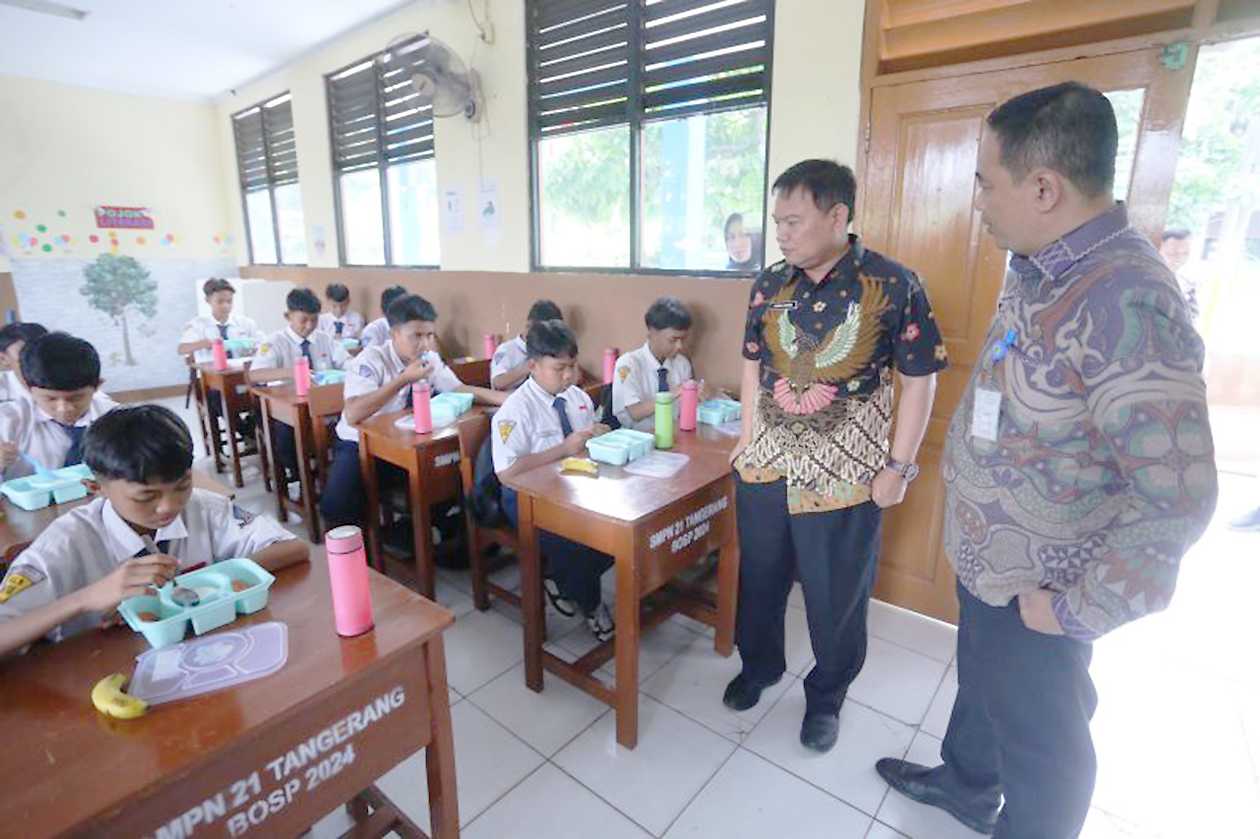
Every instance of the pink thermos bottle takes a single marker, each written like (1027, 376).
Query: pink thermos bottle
(610, 361)
(220, 354)
(421, 412)
(348, 576)
(489, 344)
(690, 403)
(302, 377)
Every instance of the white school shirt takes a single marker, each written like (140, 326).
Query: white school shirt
(11, 386)
(89, 542)
(206, 328)
(285, 347)
(527, 423)
(507, 357)
(351, 324)
(25, 424)
(376, 332)
(635, 380)
(375, 366)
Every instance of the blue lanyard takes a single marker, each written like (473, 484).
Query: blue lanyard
(1002, 347)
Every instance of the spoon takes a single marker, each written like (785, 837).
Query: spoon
(181, 596)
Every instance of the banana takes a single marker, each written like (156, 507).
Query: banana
(580, 465)
(110, 700)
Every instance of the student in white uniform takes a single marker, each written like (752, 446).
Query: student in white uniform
(510, 364)
(301, 338)
(657, 366)
(200, 333)
(379, 381)
(13, 338)
(545, 419)
(63, 377)
(339, 321)
(94, 557)
(282, 350)
(377, 332)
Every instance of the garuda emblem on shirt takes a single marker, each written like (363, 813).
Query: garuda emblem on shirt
(810, 369)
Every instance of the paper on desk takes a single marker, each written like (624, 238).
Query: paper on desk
(658, 464)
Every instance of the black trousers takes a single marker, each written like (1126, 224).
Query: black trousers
(575, 568)
(284, 446)
(1020, 724)
(834, 554)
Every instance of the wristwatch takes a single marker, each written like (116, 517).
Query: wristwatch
(908, 471)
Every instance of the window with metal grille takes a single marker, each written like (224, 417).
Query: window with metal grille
(384, 173)
(648, 124)
(266, 162)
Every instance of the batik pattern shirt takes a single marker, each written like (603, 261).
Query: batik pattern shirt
(828, 351)
(1102, 473)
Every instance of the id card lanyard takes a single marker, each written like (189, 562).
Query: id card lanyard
(987, 409)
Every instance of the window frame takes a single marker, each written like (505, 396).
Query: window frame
(635, 122)
(381, 170)
(271, 187)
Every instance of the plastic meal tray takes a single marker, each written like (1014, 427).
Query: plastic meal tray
(718, 411)
(57, 487)
(617, 448)
(328, 377)
(219, 605)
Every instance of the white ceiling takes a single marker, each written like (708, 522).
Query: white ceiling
(178, 48)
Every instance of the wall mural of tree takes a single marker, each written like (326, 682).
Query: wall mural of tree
(117, 285)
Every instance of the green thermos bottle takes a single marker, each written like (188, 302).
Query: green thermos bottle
(664, 420)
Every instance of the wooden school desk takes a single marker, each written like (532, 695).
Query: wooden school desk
(18, 527)
(236, 762)
(472, 371)
(229, 384)
(653, 528)
(306, 415)
(431, 462)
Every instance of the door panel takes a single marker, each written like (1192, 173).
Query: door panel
(916, 207)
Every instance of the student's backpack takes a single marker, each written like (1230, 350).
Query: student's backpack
(485, 503)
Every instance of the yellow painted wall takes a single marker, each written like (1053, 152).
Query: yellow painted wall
(64, 150)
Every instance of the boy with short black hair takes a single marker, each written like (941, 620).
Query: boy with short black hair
(95, 556)
(301, 338)
(659, 366)
(340, 321)
(546, 419)
(378, 331)
(379, 381)
(63, 376)
(201, 332)
(13, 337)
(510, 364)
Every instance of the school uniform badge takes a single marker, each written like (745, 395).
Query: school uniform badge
(18, 580)
(505, 429)
(623, 373)
(243, 517)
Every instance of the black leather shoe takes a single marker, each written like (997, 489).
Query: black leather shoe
(819, 731)
(742, 694)
(936, 787)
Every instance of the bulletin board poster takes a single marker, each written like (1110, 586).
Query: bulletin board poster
(135, 218)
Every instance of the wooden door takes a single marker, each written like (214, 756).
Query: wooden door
(916, 206)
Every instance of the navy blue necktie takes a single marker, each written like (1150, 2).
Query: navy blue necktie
(566, 427)
(162, 546)
(338, 326)
(75, 454)
(662, 380)
(223, 328)
(306, 351)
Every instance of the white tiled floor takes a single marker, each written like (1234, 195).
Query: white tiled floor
(1177, 729)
